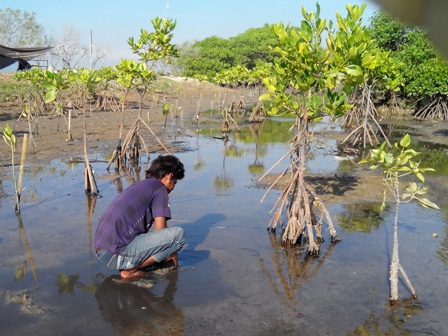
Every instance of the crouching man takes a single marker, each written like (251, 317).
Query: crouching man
(123, 239)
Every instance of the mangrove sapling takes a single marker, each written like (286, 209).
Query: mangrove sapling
(166, 109)
(56, 84)
(32, 127)
(88, 79)
(150, 47)
(127, 72)
(22, 166)
(227, 117)
(396, 163)
(258, 113)
(134, 141)
(103, 95)
(10, 140)
(364, 68)
(131, 75)
(35, 78)
(363, 120)
(299, 198)
(302, 83)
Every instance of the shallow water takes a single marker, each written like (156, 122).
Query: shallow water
(234, 278)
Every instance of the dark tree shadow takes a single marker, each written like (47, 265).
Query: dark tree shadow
(333, 185)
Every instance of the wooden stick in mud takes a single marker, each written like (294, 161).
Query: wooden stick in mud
(22, 164)
(69, 132)
(90, 186)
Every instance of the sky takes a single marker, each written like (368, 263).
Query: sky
(112, 22)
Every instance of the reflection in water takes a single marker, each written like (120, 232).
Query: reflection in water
(90, 202)
(118, 184)
(21, 270)
(133, 310)
(131, 173)
(200, 163)
(231, 150)
(362, 217)
(398, 317)
(257, 168)
(67, 283)
(442, 251)
(293, 268)
(223, 183)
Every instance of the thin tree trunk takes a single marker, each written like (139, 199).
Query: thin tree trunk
(22, 164)
(395, 262)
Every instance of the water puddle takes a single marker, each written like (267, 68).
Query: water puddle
(234, 277)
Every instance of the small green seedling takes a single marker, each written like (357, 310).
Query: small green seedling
(10, 140)
(396, 163)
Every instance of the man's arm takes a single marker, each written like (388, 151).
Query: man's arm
(160, 223)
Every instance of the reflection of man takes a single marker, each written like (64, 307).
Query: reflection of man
(137, 311)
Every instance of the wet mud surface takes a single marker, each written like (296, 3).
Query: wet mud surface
(234, 278)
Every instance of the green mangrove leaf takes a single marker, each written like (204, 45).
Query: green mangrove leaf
(50, 96)
(420, 176)
(427, 203)
(406, 195)
(405, 141)
(265, 96)
(412, 187)
(354, 70)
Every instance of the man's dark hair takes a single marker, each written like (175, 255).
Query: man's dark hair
(166, 164)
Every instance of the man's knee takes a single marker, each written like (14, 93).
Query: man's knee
(179, 234)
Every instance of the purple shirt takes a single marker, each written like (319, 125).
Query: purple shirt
(132, 213)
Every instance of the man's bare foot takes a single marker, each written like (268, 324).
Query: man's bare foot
(139, 282)
(129, 274)
(174, 259)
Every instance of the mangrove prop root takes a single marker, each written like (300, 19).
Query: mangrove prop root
(115, 157)
(436, 109)
(298, 199)
(134, 132)
(360, 119)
